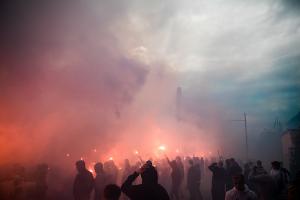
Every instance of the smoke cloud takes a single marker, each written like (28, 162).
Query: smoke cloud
(98, 79)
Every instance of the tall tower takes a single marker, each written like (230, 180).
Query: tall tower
(178, 103)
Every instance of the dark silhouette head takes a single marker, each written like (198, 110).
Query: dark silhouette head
(178, 159)
(98, 168)
(239, 182)
(80, 166)
(196, 160)
(149, 162)
(275, 165)
(112, 192)
(259, 163)
(228, 163)
(173, 163)
(191, 162)
(220, 163)
(149, 175)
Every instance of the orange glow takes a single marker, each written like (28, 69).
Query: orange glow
(162, 147)
(91, 170)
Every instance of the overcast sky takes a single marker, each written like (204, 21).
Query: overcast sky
(243, 54)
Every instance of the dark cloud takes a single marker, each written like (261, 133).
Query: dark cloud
(291, 4)
(286, 9)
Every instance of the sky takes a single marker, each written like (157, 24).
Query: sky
(90, 73)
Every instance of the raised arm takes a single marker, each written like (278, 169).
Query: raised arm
(127, 187)
(168, 160)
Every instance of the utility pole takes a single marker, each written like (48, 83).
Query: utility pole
(246, 134)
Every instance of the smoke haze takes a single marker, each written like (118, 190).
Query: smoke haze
(98, 79)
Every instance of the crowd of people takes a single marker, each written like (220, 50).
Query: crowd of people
(231, 182)
(164, 179)
(18, 184)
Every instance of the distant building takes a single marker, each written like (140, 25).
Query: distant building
(291, 150)
(290, 140)
(270, 142)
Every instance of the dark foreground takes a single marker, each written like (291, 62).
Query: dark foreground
(182, 178)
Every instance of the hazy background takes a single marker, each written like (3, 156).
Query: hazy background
(80, 75)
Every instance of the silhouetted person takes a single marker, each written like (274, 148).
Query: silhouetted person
(18, 181)
(218, 181)
(264, 185)
(235, 167)
(202, 167)
(232, 168)
(247, 171)
(180, 166)
(100, 181)
(181, 170)
(149, 189)
(41, 182)
(176, 179)
(127, 170)
(111, 172)
(84, 182)
(260, 170)
(164, 173)
(112, 192)
(240, 191)
(193, 181)
(281, 178)
(229, 183)
(260, 182)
